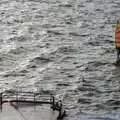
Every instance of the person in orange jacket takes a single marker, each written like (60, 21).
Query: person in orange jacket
(117, 39)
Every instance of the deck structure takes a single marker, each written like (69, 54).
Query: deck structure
(30, 106)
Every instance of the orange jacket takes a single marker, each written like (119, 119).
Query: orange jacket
(117, 35)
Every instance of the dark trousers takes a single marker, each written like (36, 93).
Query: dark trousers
(118, 53)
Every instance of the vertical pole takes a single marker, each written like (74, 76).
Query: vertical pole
(34, 98)
(17, 98)
(1, 101)
(60, 110)
(53, 103)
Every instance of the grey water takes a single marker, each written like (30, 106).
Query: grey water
(64, 47)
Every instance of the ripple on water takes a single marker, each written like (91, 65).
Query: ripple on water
(41, 60)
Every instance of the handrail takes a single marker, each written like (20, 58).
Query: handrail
(18, 98)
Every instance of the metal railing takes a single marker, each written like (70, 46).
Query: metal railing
(31, 97)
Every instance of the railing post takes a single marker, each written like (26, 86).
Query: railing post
(53, 102)
(60, 109)
(34, 98)
(1, 101)
(17, 99)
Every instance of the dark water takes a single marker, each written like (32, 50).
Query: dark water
(65, 47)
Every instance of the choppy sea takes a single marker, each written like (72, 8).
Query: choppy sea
(64, 47)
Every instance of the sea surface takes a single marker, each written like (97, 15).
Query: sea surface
(64, 47)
